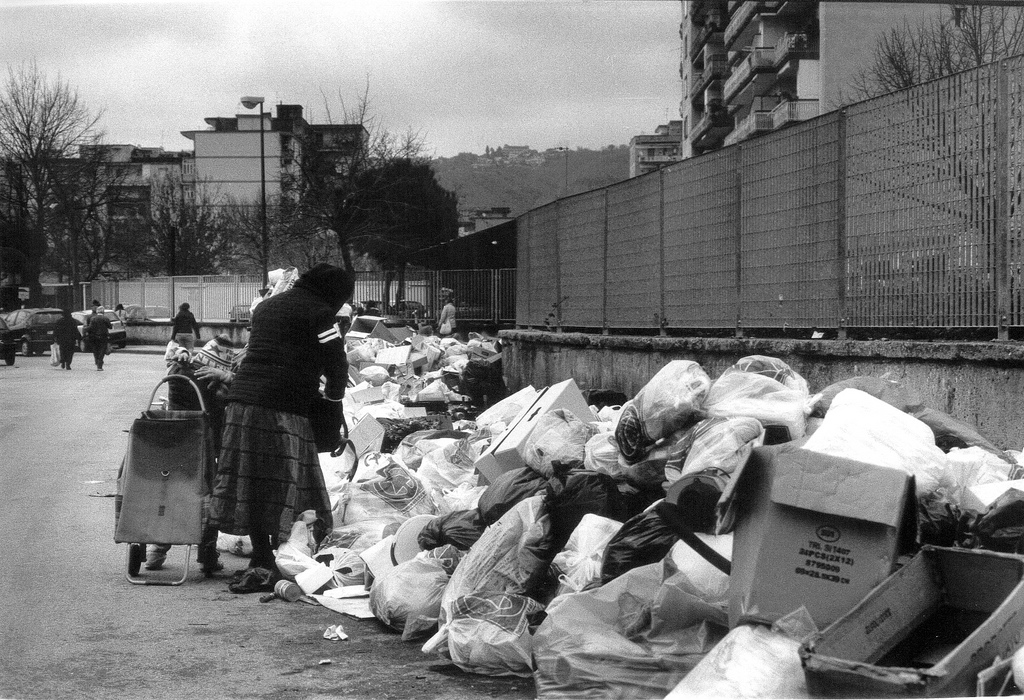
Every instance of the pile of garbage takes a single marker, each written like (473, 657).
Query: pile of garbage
(739, 536)
(403, 369)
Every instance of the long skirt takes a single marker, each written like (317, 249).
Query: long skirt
(268, 474)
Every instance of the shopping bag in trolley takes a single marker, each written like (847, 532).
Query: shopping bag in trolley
(164, 479)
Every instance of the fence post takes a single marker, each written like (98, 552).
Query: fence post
(604, 270)
(661, 255)
(738, 242)
(1001, 244)
(558, 266)
(841, 225)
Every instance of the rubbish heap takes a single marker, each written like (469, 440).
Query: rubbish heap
(738, 536)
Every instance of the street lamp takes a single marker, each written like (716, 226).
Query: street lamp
(565, 151)
(249, 102)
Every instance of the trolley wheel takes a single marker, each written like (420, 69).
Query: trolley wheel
(136, 554)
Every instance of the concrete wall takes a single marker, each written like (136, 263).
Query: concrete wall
(980, 383)
(160, 333)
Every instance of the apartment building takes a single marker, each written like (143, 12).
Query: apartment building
(756, 66)
(649, 152)
(228, 159)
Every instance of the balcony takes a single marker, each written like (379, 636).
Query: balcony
(794, 47)
(742, 14)
(757, 61)
(715, 68)
(753, 123)
(708, 34)
(711, 129)
(794, 111)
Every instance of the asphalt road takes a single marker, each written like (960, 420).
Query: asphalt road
(71, 626)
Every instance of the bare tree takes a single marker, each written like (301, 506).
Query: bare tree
(42, 125)
(331, 181)
(188, 233)
(962, 37)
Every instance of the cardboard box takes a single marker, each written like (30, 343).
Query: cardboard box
(367, 394)
(505, 452)
(398, 355)
(815, 531)
(980, 498)
(401, 333)
(928, 630)
(370, 327)
(367, 435)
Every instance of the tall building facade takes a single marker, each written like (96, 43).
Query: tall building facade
(227, 159)
(756, 66)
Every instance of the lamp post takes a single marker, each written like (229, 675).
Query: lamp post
(565, 152)
(249, 102)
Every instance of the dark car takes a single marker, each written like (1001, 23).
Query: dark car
(8, 345)
(32, 329)
(118, 337)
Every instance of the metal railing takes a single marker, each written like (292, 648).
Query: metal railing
(901, 211)
(481, 296)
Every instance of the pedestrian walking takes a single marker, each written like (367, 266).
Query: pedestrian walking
(65, 334)
(185, 328)
(98, 333)
(269, 473)
(446, 321)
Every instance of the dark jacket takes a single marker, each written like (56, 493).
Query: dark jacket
(65, 331)
(98, 328)
(294, 340)
(184, 322)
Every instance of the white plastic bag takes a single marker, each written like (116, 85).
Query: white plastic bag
(972, 466)
(407, 598)
(666, 403)
(558, 437)
(449, 466)
(506, 410)
(489, 633)
(375, 375)
(751, 662)
(860, 427)
(601, 454)
(578, 565)
(743, 394)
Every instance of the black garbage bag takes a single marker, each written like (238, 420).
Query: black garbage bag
(482, 382)
(580, 493)
(507, 490)
(599, 398)
(1001, 527)
(396, 430)
(460, 528)
(951, 432)
(643, 539)
(944, 524)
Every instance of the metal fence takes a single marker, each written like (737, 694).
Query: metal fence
(902, 211)
(481, 296)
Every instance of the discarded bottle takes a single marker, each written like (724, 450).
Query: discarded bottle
(288, 590)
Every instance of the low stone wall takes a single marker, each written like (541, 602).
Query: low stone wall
(980, 383)
(157, 333)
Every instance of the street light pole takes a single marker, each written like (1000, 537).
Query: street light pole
(565, 152)
(249, 103)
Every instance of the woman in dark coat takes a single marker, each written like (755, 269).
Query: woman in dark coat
(269, 472)
(65, 334)
(185, 328)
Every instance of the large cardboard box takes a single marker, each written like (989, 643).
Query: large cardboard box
(926, 631)
(815, 531)
(370, 327)
(505, 452)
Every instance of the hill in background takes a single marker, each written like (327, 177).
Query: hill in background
(522, 179)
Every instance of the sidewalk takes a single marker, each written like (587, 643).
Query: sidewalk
(144, 349)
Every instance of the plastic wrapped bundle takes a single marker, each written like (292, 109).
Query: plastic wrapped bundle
(667, 403)
(407, 598)
(745, 395)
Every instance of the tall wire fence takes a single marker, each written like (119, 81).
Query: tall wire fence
(901, 211)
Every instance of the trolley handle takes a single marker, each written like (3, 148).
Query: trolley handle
(202, 403)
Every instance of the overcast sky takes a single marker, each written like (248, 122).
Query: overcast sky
(464, 74)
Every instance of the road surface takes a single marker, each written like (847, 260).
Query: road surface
(71, 626)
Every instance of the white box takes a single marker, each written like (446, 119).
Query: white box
(980, 497)
(505, 452)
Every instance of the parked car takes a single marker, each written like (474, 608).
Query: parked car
(118, 334)
(8, 345)
(32, 329)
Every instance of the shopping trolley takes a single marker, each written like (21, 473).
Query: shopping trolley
(164, 482)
